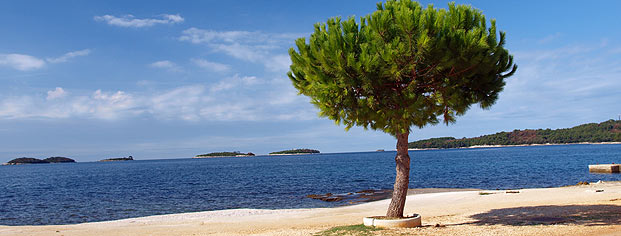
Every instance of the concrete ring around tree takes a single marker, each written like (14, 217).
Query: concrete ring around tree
(378, 221)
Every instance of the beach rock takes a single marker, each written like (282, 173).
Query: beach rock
(328, 197)
(332, 199)
(357, 197)
(367, 191)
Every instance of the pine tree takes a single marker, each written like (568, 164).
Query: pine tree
(399, 67)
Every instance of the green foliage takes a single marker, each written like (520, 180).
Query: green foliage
(608, 131)
(225, 154)
(402, 66)
(296, 151)
(349, 230)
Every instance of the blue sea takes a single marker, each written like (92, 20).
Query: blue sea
(72, 193)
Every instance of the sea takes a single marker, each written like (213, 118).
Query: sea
(70, 193)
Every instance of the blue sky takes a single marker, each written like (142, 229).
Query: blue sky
(157, 79)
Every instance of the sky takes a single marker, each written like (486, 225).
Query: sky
(168, 79)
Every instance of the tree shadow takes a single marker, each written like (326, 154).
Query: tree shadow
(589, 215)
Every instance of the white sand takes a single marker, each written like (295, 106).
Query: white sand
(576, 210)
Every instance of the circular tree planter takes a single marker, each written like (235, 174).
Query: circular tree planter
(382, 221)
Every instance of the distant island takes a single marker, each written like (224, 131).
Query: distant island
(224, 154)
(28, 160)
(295, 152)
(58, 160)
(129, 158)
(607, 131)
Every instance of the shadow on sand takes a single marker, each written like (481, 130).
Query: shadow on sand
(589, 215)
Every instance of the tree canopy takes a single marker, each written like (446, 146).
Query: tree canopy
(402, 66)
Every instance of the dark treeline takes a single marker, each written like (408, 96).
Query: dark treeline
(608, 131)
(296, 151)
(225, 154)
(129, 158)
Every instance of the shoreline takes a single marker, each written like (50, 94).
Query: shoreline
(517, 145)
(570, 210)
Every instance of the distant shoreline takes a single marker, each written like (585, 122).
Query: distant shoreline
(517, 145)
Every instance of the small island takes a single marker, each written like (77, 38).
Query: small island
(29, 160)
(129, 158)
(295, 152)
(224, 154)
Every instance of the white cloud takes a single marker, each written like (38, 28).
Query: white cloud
(212, 66)
(197, 36)
(250, 80)
(69, 55)
(242, 52)
(256, 47)
(163, 64)
(183, 103)
(108, 105)
(236, 82)
(26, 62)
(222, 85)
(56, 93)
(21, 62)
(131, 21)
(16, 107)
(167, 65)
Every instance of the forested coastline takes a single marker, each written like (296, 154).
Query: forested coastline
(607, 131)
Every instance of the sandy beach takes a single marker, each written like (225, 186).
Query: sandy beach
(573, 210)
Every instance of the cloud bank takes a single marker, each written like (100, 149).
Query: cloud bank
(235, 98)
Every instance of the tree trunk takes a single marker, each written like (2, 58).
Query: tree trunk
(400, 191)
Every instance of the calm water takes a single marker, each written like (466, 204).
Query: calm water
(86, 192)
